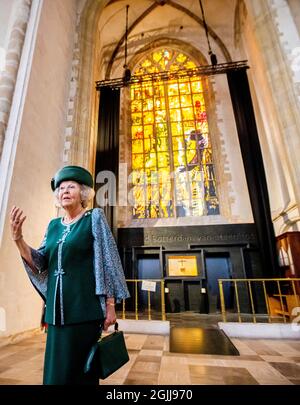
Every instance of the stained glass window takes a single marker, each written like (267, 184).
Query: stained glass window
(173, 172)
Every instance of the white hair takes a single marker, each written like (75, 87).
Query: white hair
(86, 193)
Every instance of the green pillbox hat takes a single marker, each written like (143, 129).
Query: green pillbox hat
(75, 173)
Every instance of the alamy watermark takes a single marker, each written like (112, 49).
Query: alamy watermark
(159, 181)
(295, 321)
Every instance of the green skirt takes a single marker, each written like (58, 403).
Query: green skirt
(67, 348)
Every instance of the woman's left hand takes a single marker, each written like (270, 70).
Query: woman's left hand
(110, 316)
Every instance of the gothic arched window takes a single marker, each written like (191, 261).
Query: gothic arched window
(172, 167)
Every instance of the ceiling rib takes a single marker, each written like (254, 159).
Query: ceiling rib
(183, 10)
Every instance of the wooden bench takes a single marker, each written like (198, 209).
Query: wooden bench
(289, 302)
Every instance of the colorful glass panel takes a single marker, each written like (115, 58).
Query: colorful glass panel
(172, 162)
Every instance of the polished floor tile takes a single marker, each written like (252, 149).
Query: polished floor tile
(201, 341)
(261, 361)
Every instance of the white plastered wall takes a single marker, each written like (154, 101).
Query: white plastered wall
(38, 156)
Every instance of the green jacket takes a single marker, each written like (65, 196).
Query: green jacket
(109, 279)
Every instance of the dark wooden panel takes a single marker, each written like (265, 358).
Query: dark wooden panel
(183, 236)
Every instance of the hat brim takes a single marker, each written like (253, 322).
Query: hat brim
(75, 173)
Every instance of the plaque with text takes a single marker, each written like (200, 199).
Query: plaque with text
(182, 266)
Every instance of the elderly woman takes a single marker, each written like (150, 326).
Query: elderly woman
(78, 273)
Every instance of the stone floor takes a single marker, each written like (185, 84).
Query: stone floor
(190, 318)
(274, 362)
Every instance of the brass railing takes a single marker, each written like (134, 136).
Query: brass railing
(278, 299)
(135, 296)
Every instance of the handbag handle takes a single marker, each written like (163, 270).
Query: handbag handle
(116, 326)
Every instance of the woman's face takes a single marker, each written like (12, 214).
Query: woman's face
(69, 194)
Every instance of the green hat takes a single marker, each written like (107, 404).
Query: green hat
(76, 173)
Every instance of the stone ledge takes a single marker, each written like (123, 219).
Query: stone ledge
(260, 330)
(143, 326)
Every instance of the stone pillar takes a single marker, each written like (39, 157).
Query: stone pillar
(295, 11)
(81, 128)
(289, 40)
(277, 39)
(13, 55)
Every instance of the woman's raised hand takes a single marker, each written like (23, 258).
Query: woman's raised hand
(16, 222)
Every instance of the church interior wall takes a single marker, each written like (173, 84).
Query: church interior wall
(232, 188)
(14, 20)
(59, 123)
(38, 157)
(275, 92)
(280, 167)
(170, 27)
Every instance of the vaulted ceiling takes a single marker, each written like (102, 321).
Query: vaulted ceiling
(150, 21)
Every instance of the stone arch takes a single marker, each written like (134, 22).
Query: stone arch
(184, 10)
(240, 15)
(82, 133)
(177, 44)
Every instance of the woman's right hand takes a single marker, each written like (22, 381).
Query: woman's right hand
(16, 223)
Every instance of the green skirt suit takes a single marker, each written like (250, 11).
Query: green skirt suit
(73, 311)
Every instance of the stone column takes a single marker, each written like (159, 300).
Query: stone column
(278, 39)
(9, 75)
(81, 127)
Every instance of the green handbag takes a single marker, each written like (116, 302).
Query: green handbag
(107, 355)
